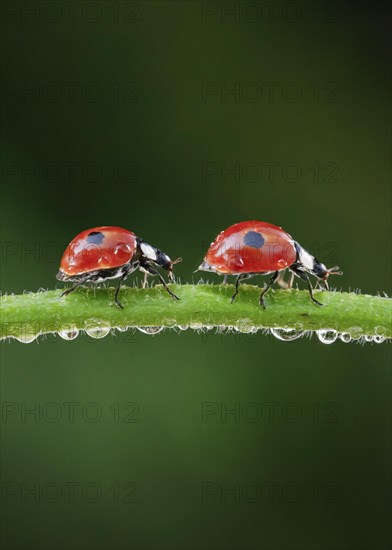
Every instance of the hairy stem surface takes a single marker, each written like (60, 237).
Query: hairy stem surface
(201, 306)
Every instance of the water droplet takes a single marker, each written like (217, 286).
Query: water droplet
(245, 326)
(168, 323)
(96, 328)
(368, 338)
(378, 339)
(345, 337)
(355, 332)
(26, 338)
(380, 330)
(183, 327)
(327, 335)
(286, 334)
(196, 326)
(150, 330)
(69, 334)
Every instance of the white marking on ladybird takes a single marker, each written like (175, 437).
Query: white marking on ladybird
(148, 251)
(306, 259)
(204, 266)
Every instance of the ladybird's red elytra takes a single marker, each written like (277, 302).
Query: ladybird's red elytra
(98, 248)
(109, 252)
(253, 248)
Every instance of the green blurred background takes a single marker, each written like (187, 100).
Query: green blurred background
(176, 119)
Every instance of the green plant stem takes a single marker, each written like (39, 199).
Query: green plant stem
(201, 306)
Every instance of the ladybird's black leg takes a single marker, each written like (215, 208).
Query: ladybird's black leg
(69, 290)
(118, 303)
(237, 282)
(121, 279)
(311, 291)
(270, 283)
(154, 271)
(129, 269)
(240, 278)
(305, 277)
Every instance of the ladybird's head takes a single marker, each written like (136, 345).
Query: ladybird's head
(312, 265)
(323, 273)
(204, 266)
(158, 257)
(165, 262)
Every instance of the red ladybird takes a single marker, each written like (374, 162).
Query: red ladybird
(109, 252)
(251, 248)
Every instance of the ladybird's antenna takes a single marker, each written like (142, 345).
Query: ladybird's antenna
(177, 261)
(335, 270)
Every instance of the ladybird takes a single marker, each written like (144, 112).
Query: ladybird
(253, 248)
(108, 252)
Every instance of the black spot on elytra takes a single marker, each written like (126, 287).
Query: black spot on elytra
(254, 239)
(95, 237)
